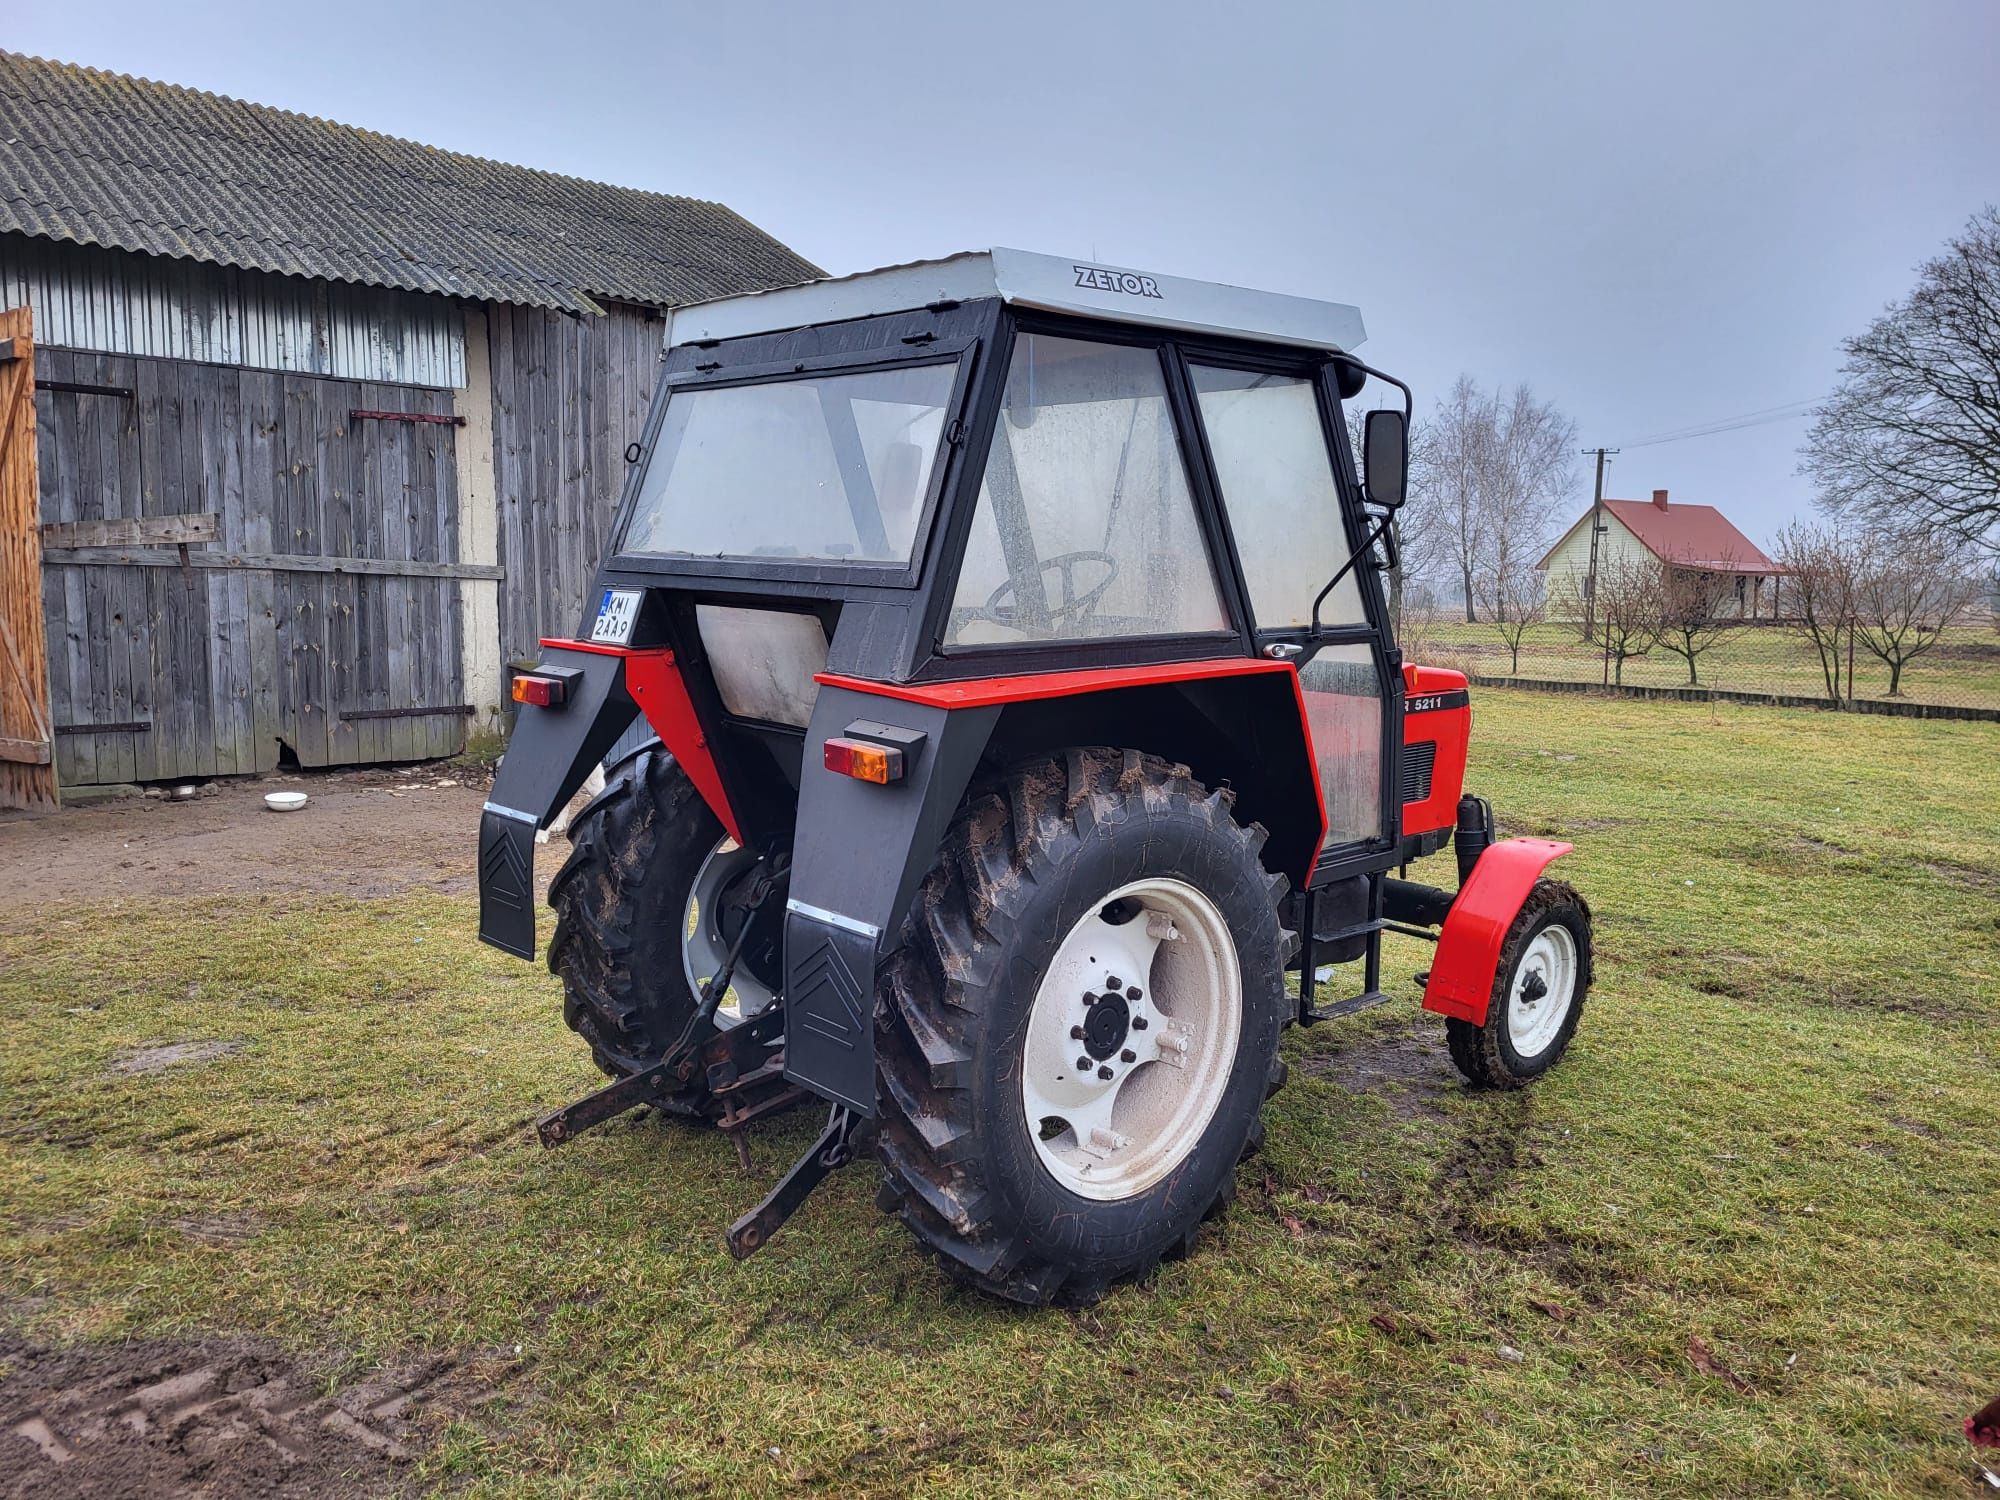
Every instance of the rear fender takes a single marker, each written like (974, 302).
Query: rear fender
(549, 756)
(859, 853)
(1468, 950)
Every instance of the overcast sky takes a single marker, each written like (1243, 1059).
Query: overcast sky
(1656, 219)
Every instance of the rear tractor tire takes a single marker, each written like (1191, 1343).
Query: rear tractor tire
(636, 906)
(1079, 1028)
(1539, 986)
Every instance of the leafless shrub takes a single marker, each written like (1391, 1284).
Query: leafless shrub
(1698, 609)
(1630, 610)
(1905, 598)
(1514, 599)
(1820, 564)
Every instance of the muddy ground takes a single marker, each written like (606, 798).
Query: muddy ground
(221, 1418)
(376, 832)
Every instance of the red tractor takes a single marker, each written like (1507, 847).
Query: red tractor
(991, 662)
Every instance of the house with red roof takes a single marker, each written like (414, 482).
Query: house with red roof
(1689, 538)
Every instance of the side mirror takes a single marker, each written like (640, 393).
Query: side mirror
(1385, 458)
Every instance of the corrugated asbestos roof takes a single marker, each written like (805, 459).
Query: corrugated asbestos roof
(103, 159)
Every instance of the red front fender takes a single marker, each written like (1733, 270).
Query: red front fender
(1468, 950)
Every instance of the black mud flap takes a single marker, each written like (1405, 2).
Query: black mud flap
(549, 756)
(861, 851)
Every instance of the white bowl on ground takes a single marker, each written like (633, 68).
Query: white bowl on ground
(284, 801)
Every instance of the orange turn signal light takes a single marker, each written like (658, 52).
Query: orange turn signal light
(543, 692)
(863, 761)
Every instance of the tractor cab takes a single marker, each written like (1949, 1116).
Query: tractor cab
(935, 583)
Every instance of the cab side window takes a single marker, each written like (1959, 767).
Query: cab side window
(1276, 471)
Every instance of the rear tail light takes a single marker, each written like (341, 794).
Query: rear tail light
(863, 761)
(542, 690)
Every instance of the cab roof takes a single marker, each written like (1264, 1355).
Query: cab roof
(1022, 278)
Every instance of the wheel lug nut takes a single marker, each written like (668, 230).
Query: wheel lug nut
(1104, 1072)
(1083, 1065)
(1128, 1055)
(1111, 982)
(1135, 993)
(1138, 1023)
(1076, 1033)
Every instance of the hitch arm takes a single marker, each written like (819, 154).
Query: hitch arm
(834, 1149)
(677, 1066)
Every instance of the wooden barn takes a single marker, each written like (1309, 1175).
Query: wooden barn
(328, 425)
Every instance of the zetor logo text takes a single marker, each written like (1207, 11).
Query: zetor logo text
(1128, 282)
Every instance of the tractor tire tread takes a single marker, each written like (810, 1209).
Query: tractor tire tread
(1010, 833)
(617, 953)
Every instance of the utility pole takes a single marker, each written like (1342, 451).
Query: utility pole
(1596, 531)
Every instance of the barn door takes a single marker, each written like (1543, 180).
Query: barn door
(368, 652)
(27, 739)
(243, 568)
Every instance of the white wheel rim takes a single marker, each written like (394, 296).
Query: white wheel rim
(702, 945)
(1543, 990)
(1172, 966)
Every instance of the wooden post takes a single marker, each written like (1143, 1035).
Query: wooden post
(27, 739)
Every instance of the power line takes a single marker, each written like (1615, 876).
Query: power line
(1790, 411)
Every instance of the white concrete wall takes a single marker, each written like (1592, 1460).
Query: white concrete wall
(478, 528)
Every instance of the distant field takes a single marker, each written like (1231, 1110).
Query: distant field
(1962, 669)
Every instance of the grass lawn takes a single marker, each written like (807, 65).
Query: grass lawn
(1745, 1240)
(1962, 668)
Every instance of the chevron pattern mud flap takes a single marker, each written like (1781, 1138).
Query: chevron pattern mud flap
(507, 883)
(829, 1008)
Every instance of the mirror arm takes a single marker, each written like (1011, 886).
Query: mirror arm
(1382, 526)
(1367, 545)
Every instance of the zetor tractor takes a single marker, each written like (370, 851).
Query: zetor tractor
(1023, 707)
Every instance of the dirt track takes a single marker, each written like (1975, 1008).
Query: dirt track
(362, 833)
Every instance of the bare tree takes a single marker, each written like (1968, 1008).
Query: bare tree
(1447, 514)
(1629, 609)
(1905, 599)
(1819, 565)
(1698, 609)
(1527, 477)
(1514, 600)
(1909, 443)
(1489, 472)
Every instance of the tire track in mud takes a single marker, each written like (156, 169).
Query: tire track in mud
(234, 1416)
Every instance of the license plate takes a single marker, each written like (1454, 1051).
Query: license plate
(617, 613)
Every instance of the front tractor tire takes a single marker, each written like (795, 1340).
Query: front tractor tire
(1539, 986)
(1079, 1028)
(622, 904)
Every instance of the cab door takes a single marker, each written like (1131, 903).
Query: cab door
(1270, 438)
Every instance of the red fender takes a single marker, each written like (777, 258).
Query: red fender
(655, 685)
(1468, 950)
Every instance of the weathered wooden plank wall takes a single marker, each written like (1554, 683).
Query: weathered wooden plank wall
(162, 670)
(568, 395)
(27, 772)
